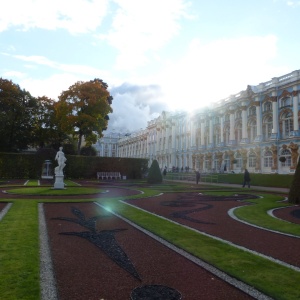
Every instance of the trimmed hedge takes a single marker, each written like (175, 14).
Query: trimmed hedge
(29, 166)
(154, 175)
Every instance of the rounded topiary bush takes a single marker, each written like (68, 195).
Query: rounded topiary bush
(154, 175)
(294, 193)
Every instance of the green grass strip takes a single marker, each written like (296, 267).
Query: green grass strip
(49, 191)
(269, 277)
(257, 214)
(19, 252)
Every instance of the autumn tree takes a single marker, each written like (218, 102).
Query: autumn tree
(16, 121)
(83, 110)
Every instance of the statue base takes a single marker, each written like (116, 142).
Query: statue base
(59, 182)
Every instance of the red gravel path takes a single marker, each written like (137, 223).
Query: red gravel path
(83, 271)
(223, 226)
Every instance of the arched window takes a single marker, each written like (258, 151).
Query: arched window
(227, 118)
(252, 130)
(252, 111)
(238, 132)
(226, 163)
(286, 102)
(267, 106)
(287, 124)
(226, 134)
(267, 127)
(252, 160)
(238, 114)
(268, 160)
(217, 137)
(238, 158)
(288, 160)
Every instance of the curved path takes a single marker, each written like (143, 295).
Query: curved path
(210, 215)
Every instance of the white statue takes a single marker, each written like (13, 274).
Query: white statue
(61, 159)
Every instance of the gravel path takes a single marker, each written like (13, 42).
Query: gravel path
(85, 271)
(210, 215)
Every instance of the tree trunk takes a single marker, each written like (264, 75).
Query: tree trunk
(79, 143)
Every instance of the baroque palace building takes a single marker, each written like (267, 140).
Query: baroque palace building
(257, 129)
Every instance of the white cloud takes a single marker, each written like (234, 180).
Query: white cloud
(76, 16)
(133, 106)
(211, 72)
(50, 87)
(140, 27)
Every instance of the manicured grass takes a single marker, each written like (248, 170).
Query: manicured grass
(19, 252)
(257, 214)
(49, 191)
(19, 256)
(275, 280)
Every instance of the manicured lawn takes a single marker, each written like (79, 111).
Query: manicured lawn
(19, 245)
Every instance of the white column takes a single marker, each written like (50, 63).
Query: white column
(295, 109)
(244, 123)
(193, 133)
(222, 129)
(258, 119)
(202, 132)
(211, 132)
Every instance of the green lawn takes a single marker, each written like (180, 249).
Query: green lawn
(19, 245)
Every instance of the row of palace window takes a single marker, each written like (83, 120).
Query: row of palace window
(267, 160)
(285, 128)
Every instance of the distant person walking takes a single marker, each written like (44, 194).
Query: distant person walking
(247, 178)
(197, 176)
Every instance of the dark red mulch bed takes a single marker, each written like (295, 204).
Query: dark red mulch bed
(210, 215)
(290, 214)
(84, 271)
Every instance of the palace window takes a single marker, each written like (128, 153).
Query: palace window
(217, 138)
(267, 106)
(216, 166)
(288, 160)
(252, 160)
(238, 114)
(252, 130)
(286, 102)
(267, 127)
(268, 160)
(287, 124)
(238, 132)
(226, 134)
(252, 111)
(238, 158)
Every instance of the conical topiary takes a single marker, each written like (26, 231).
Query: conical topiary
(154, 175)
(294, 193)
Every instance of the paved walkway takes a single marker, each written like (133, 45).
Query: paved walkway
(258, 188)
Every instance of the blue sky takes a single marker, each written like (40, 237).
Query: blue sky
(154, 54)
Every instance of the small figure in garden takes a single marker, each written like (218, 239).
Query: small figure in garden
(61, 159)
(165, 171)
(197, 176)
(247, 178)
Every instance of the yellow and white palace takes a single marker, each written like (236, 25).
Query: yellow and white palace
(257, 129)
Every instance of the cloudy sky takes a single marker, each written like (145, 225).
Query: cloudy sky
(155, 55)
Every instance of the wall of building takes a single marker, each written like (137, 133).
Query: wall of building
(257, 129)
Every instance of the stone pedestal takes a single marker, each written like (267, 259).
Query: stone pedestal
(59, 182)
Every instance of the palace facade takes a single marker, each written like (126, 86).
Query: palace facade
(257, 129)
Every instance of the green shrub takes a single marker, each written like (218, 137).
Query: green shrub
(294, 193)
(154, 175)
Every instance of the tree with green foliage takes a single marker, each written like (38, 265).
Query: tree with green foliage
(294, 193)
(88, 151)
(83, 110)
(17, 108)
(154, 175)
